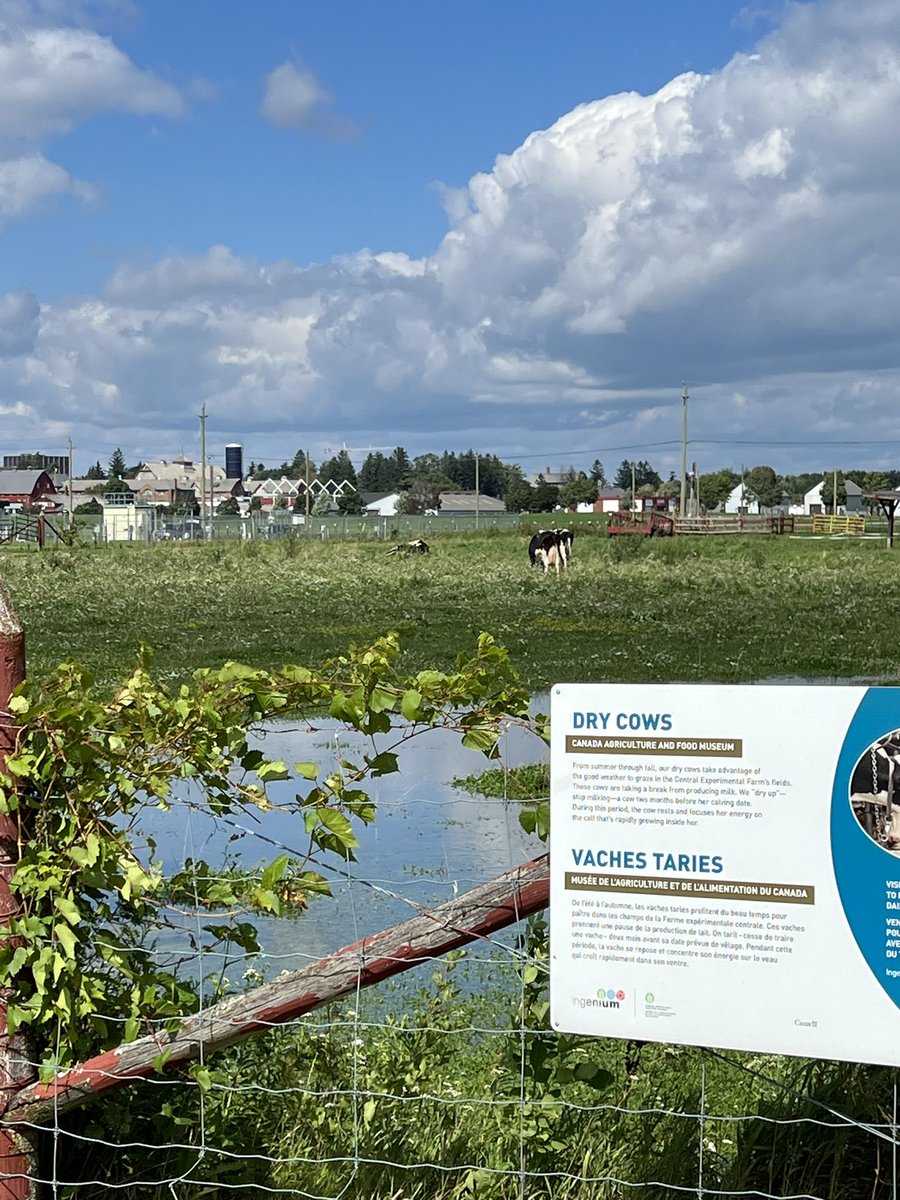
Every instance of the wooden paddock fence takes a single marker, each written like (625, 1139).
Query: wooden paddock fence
(736, 524)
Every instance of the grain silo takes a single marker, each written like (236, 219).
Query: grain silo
(234, 461)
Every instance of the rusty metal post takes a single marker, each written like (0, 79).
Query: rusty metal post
(18, 1159)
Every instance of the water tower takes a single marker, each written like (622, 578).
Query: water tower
(234, 461)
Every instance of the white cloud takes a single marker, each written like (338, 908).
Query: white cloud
(51, 80)
(294, 99)
(738, 229)
(26, 182)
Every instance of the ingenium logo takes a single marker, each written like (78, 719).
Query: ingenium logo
(605, 998)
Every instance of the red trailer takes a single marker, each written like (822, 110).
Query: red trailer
(652, 519)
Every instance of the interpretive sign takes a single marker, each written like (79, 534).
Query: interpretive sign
(725, 866)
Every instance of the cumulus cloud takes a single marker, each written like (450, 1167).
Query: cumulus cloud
(52, 79)
(736, 229)
(294, 99)
(26, 182)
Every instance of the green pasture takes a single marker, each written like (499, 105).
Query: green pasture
(475, 1084)
(724, 609)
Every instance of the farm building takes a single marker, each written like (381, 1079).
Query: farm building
(28, 488)
(463, 504)
(269, 491)
(740, 501)
(812, 500)
(125, 520)
(609, 500)
(380, 504)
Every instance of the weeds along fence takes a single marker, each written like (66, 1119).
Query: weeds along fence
(419, 1061)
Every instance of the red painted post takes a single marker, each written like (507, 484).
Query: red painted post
(17, 1152)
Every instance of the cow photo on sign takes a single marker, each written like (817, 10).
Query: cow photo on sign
(875, 791)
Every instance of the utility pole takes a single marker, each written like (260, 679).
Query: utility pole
(834, 494)
(633, 496)
(203, 469)
(477, 491)
(306, 496)
(71, 509)
(684, 432)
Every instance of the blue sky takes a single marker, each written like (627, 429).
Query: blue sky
(437, 91)
(514, 226)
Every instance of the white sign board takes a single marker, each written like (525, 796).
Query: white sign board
(725, 867)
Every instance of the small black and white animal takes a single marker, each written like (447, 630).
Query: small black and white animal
(418, 546)
(550, 549)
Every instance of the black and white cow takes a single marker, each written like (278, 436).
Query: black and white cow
(417, 546)
(566, 538)
(549, 549)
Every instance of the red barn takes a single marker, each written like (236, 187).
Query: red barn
(27, 488)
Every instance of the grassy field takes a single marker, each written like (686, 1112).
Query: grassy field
(728, 609)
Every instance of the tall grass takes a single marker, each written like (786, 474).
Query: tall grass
(428, 1086)
(629, 609)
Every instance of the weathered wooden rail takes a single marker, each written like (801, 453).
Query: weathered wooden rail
(737, 524)
(471, 917)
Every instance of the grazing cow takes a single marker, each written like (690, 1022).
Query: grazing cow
(417, 546)
(875, 791)
(547, 549)
(566, 538)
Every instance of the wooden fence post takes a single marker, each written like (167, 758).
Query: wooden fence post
(18, 1158)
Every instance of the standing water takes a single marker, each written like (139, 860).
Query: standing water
(428, 842)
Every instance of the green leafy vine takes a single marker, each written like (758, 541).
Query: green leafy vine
(77, 958)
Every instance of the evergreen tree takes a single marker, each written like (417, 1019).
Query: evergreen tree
(492, 476)
(597, 473)
(116, 465)
(518, 496)
(338, 469)
(296, 469)
(400, 469)
(350, 504)
(96, 471)
(377, 474)
(644, 475)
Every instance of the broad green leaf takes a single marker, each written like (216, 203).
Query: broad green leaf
(411, 704)
(383, 764)
(66, 939)
(272, 770)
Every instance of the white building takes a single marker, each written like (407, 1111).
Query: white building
(126, 521)
(812, 500)
(740, 501)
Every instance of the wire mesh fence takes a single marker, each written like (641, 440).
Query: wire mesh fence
(445, 1080)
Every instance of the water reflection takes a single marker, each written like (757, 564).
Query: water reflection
(428, 842)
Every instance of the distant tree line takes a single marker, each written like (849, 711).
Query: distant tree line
(420, 481)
